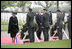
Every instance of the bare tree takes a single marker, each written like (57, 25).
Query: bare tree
(68, 2)
(23, 4)
(47, 3)
(57, 4)
(3, 5)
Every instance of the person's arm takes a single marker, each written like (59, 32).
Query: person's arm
(9, 26)
(27, 20)
(51, 19)
(40, 18)
(17, 24)
(37, 19)
(57, 21)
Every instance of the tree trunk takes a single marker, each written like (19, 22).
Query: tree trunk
(57, 4)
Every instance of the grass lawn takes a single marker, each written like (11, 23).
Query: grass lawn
(6, 23)
(4, 28)
(47, 44)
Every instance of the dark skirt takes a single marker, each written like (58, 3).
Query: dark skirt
(13, 35)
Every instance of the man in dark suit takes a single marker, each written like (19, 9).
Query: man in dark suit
(69, 23)
(39, 23)
(45, 24)
(63, 14)
(59, 24)
(50, 18)
(30, 24)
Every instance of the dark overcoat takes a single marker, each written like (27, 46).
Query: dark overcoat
(13, 26)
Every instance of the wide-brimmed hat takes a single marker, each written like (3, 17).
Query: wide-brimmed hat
(14, 13)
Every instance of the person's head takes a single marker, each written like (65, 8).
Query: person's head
(50, 11)
(39, 12)
(45, 10)
(14, 13)
(30, 10)
(58, 11)
(69, 12)
(63, 11)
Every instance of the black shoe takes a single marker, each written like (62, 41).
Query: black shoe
(40, 39)
(27, 37)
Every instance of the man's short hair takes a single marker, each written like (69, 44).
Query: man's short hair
(58, 11)
(45, 9)
(49, 11)
(30, 9)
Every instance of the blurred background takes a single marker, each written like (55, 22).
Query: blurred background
(21, 7)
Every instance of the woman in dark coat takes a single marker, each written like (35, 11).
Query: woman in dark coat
(13, 26)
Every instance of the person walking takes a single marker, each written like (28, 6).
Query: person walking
(69, 23)
(59, 24)
(13, 26)
(45, 25)
(39, 23)
(30, 24)
(50, 18)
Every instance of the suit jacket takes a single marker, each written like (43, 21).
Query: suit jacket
(50, 18)
(63, 14)
(38, 19)
(69, 20)
(45, 19)
(59, 20)
(30, 19)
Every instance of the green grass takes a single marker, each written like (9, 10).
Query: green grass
(20, 22)
(48, 44)
(4, 28)
(6, 23)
